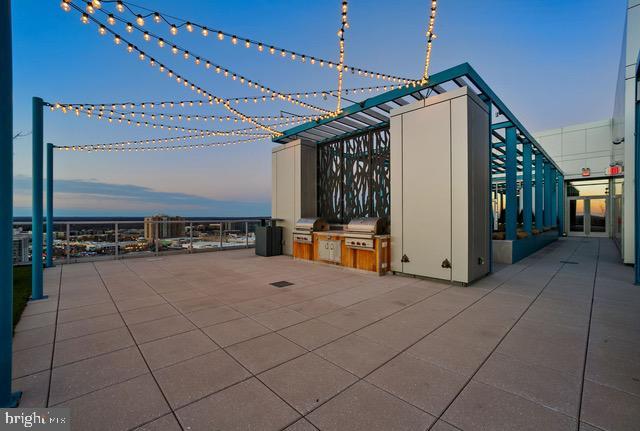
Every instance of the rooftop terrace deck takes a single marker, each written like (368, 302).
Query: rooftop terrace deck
(204, 342)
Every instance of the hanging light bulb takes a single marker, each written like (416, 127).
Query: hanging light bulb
(119, 6)
(146, 36)
(90, 8)
(156, 18)
(220, 35)
(174, 29)
(129, 27)
(205, 31)
(102, 30)
(174, 49)
(111, 19)
(234, 40)
(161, 43)
(117, 40)
(64, 4)
(260, 47)
(272, 50)
(189, 27)
(139, 20)
(84, 18)
(247, 43)
(130, 48)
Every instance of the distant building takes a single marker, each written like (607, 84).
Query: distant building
(167, 227)
(20, 246)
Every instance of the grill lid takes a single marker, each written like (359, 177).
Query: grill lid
(371, 225)
(312, 224)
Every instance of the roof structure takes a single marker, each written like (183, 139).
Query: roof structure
(374, 113)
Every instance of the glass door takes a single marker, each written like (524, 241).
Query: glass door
(588, 216)
(598, 217)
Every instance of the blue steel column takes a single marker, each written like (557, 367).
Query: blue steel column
(36, 201)
(539, 191)
(554, 197)
(527, 185)
(7, 399)
(547, 193)
(560, 204)
(636, 192)
(511, 165)
(49, 205)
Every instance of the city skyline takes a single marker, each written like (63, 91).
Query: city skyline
(235, 180)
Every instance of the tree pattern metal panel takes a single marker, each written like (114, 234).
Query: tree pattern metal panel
(354, 177)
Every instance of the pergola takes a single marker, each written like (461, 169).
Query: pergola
(515, 153)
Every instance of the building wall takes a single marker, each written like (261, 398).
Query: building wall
(293, 187)
(580, 146)
(591, 145)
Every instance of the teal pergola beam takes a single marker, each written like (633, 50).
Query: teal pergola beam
(547, 194)
(511, 214)
(527, 185)
(7, 398)
(50, 205)
(36, 202)
(554, 197)
(539, 191)
(560, 204)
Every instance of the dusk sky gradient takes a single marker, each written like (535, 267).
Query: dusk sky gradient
(554, 63)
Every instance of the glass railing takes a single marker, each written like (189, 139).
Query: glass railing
(81, 241)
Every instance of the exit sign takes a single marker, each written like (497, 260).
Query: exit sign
(614, 170)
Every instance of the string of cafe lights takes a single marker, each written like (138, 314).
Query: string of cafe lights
(281, 121)
(430, 37)
(112, 111)
(178, 78)
(148, 105)
(176, 23)
(344, 25)
(227, 102)
(122, 119)
(128, 146)
(186, 55)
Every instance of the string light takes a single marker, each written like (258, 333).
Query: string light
(234, 39)
(246, 99)
(281, 120)
(430, 37)
(135, 146)
(175, 49)
(343, 27)
(64, 4)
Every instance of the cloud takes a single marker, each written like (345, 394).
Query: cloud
(82, 197)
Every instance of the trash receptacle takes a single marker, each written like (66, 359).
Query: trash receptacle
(268, 240)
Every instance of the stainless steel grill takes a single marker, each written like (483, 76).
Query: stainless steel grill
(360, 231)
(304, 228)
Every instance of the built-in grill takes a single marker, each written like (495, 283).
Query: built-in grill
(304, 228)
(360, 232)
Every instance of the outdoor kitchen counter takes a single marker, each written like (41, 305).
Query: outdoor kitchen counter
(351, 249)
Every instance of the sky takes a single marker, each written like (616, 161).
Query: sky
(553, 62)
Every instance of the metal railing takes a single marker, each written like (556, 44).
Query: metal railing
(89, 240)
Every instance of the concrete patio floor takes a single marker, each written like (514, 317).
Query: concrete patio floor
(204, 342)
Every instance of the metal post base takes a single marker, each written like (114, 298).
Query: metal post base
(38, 299)
(14, 400)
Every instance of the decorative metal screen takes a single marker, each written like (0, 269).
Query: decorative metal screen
(354, 177)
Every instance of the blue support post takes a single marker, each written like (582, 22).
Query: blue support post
(511, 165)
(527, 186)
(547, 193)
(560, 204)
(554, 197)
(49, 205)
(539, 191)
(7, 398)
(636, 181)
(36, 201)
